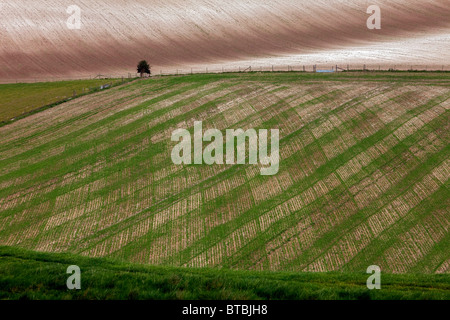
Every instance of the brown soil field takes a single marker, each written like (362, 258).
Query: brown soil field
(35, 42)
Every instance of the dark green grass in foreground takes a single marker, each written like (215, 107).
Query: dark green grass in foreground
(31, 275)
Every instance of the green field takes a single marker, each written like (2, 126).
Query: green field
(30, 275)
(17, 100)
(363, 180)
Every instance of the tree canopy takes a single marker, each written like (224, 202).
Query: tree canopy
(143, 67)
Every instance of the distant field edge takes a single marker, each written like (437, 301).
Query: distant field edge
(21, 112)
(20, 106)
(31, 275)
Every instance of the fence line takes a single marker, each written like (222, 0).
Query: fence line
(230, 69)
(301, 68)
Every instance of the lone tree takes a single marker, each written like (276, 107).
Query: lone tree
(143, 67)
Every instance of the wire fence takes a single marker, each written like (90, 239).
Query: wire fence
(318, 68)
(303, 68)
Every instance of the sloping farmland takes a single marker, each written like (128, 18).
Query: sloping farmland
(363, 176)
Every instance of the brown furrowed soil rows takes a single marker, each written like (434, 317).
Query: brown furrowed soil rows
(112, 103)
(444, 267)
(352, 243)
(307, 197)
(378, 182)
(399, 204)
(297, 238)
(416, 243)
(95, 111)
(213, 34)
(123, 192)
(123, 123)
(346, 149)
(143, 128)
(355, 161)
(87, 106)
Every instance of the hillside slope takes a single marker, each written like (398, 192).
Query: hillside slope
(19, 100)
(30, 275)
(180, 34)
(363, 176)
